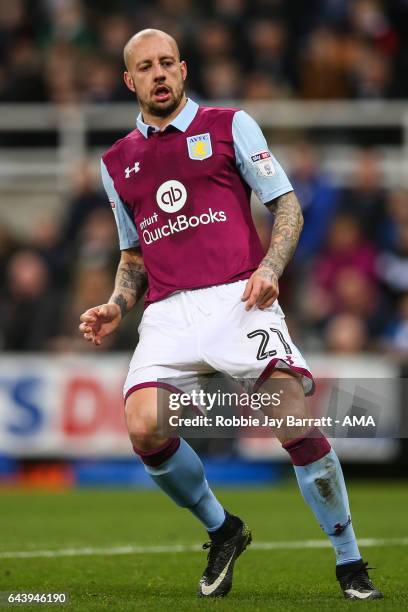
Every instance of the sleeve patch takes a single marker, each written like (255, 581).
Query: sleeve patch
(112, 203)
(263, 164)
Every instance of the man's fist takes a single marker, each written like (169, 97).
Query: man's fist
(261, 290)
(99, 322)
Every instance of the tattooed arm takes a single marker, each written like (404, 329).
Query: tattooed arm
(130, 284)
(262, 288)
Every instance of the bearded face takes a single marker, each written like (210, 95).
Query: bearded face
(156, 75)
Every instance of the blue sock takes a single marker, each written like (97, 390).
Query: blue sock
(324, 490)
(182, 478)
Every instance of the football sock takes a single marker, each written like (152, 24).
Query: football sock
(229, 527)
(182, 477)
(320, 478)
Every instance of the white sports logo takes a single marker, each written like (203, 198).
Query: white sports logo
(357, 594)
(171, 196)
(207, 590)
(135, 169)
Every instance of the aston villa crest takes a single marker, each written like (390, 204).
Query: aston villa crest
(199, 147)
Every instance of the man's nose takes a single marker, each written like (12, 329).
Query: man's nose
(158, 73)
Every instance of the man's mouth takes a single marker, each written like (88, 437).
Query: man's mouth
(161, 93)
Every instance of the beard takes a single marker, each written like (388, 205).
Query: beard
(162, 110)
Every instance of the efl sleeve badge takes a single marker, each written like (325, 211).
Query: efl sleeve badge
(263, 163)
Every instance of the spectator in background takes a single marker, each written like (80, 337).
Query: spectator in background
(317, 196)
(44, 238)
(211, 42)
(68, 23)
(395, 338)
(96, 244)
(8, 246)
(85, 198)
(369, 22)
(113, 33)
(346, 334)
(25, 81)
(94, 261)
(101, 84)
(396, 216)
(29, 310)
(268, 40)
(365, 197)
(178, 17)
(321, 49)
(343, 279)
(335, 12)
(62, 73)
(371, 74)
(222, 80)
(392, 266)
(91, 283)
(13, 23)
(322, 66)
(214, 41)
(261, 86)
(233, 12)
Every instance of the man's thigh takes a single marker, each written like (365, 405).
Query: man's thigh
(166, 355)
(253, 344)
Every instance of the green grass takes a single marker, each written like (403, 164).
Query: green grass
(279, 580)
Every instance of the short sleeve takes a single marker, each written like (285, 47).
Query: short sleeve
(128, 237)
(256, 164)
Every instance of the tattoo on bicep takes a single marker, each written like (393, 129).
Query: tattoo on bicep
(285, 233)
(121, 301)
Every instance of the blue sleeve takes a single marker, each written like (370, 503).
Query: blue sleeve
(128, 237)
(255, 162)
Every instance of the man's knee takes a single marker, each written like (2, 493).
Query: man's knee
(292, 409)
(141, 420)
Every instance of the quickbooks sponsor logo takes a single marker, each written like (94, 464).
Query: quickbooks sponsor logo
(171, 196)
(182, 223)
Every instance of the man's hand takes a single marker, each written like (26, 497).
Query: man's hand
(99, 322)
(262, 289)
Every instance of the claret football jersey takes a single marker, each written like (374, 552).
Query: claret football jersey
(183, 196)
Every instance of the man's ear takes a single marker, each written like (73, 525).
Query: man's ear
(127, 77)
(183, 67)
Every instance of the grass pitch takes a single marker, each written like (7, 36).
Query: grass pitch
(282, 579)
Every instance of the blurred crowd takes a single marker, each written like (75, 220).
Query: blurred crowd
(346, 290)
(69, 51)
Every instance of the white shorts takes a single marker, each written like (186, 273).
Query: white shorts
(196, 333)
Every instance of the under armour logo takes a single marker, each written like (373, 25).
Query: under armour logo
(135, 169)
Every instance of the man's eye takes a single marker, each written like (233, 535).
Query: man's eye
(144, 68)
(168, 63)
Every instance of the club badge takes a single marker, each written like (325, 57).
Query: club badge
(199, 147)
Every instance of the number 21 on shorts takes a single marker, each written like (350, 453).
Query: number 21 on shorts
(265, 336)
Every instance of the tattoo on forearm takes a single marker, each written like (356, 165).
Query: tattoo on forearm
(121, 301)
(285, 233)
(132, 278)
(130, 284)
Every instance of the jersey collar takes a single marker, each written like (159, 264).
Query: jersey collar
(180, 122)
